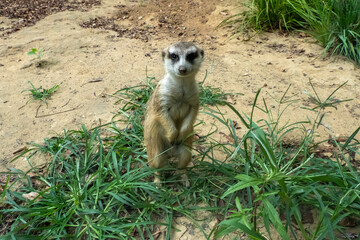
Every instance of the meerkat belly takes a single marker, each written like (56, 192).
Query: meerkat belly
(178, 111)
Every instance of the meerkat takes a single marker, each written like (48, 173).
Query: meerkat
(173, 107)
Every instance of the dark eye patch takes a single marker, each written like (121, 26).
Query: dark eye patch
(174, 57)
(191, 56)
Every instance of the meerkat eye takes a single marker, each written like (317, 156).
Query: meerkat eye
(191, 56)
(174, 57)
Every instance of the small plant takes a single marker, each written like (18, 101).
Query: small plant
(40, 93)
(211, 96)
(321, 105)
(39, 62)
(138, 95)
(36, 53)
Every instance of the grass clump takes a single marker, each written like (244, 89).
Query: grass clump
(211, 96)
(264, 15)
(333, 23)
(277, 181)
(41, 93)
(90, 190)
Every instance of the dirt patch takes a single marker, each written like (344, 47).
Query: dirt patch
(157, 20)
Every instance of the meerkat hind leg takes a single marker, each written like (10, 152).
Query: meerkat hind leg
(159, 162)
(157, 156)
(183, 156)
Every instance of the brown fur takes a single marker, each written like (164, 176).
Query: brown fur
(170, 116)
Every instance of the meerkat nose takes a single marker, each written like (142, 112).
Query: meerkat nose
(182, 70)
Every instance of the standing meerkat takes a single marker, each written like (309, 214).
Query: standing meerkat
(172, 108)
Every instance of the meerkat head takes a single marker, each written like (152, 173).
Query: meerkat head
(182, 59)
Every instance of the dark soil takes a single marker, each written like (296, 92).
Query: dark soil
(161, 19)
(28, 12)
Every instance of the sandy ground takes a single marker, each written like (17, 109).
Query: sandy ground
(92, 63)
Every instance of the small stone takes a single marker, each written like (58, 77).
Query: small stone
(27, 65)
(224, 13)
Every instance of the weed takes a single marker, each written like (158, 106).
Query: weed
(330, 101)
(37, 57)
(35, 52)
(137, 96)
(276, 181)
(211, 96)
(40, 93)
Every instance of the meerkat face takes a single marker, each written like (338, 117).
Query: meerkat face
(182, 59)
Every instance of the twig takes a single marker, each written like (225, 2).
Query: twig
(66, 103)
(37, 110)
(93, 81)
(256, 204)
(183, 233)
(327, 127)
(51, 114)
(156, 233)
(123, 99)
(21, 107)
(23, 149)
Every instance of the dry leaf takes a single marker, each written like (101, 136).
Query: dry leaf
(228, 137)
(31, 196)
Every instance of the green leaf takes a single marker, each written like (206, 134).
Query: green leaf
(273, 215)
(245, 181)
(231, 225)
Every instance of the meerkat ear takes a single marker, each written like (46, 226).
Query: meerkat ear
(163, 53)
(201, 52)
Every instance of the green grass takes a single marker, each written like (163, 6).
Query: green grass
(333, 23)
(40, 93)
(278, 180)
(263, 15)
(97, 184)
(211, 96)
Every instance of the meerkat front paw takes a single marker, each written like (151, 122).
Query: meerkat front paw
(172, 135)
(181, 137)
(184, 133)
